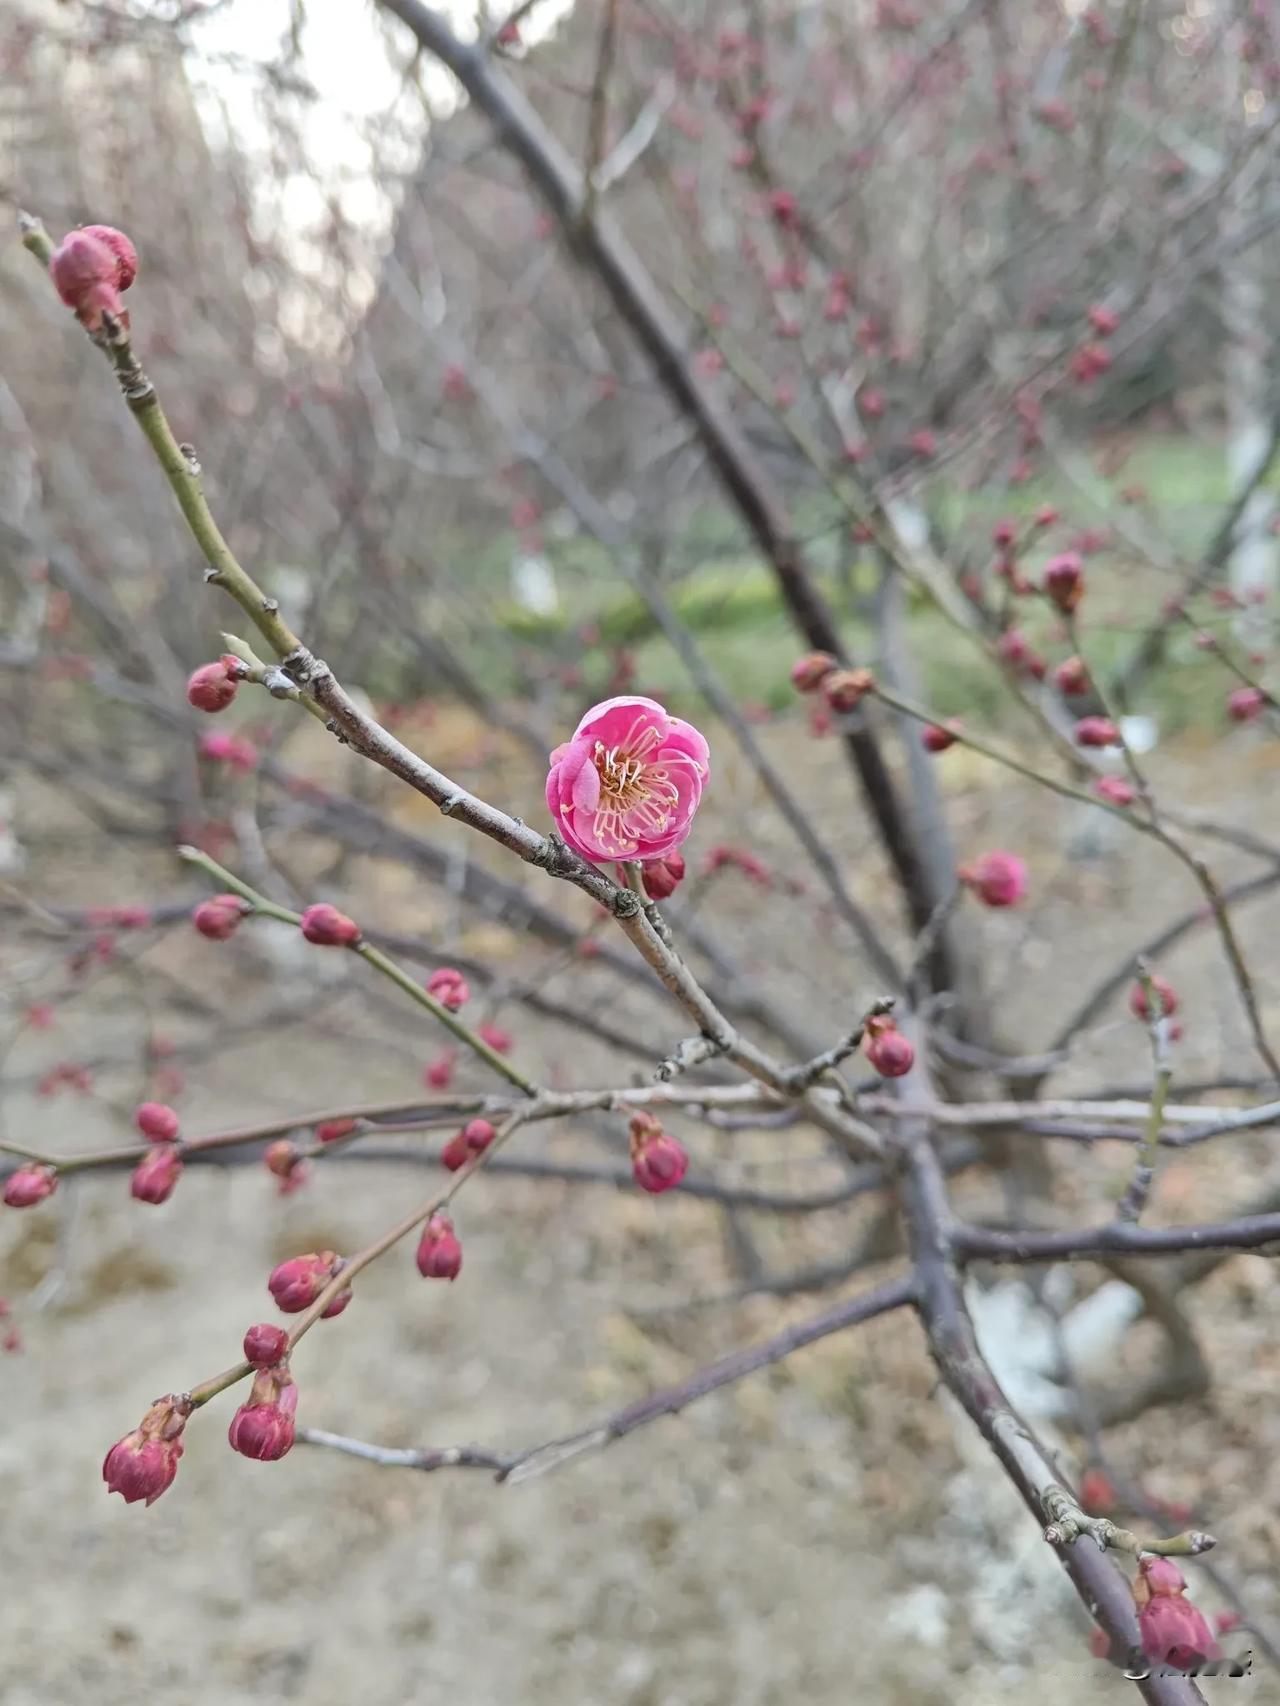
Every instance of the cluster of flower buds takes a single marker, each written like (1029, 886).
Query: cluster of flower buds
(156, 1175)
(91, 268)
(219, 917)
(328, 928)
(449, 988)
(439, 1254)
(143, 1464)
(885, 1047)
(297, 1283)
(998, 879)
(474, 1138)
(213, 686)
(809, 672)
(658, 1160)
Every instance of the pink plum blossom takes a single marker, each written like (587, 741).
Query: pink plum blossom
(628, 783)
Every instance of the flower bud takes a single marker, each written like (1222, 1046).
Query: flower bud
(658, 1160)
(1003, 534)
(157, 1122)
(1071, 678)
(328, 928)
(218, 917)
(1246, 703)
(438, 1073)
(498, 1040)
(809, 672)
(998, 879)
(297, 1283)
(30, 1185)
(90, 268)
(449, 988)
(1115, 790)
(1174, 1631)
(143, 1464)
(1096, 731)
(1103, 320)
(1064, 581)
(890, 1053)
(210, 688)
(330, 1131)
(265, 1345)
(474, 1138)
(264, 1427)
(937, 737)
(156, 1174)
(844, 689)
(439, 1252)
(1140, 1007)
(662, 877)
(1098, 1495)
(281, 1157)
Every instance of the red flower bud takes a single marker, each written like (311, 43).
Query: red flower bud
(143, 1464)
(329, 1131)
(265, 1345)
(438, 1073)
(439, 1252)
(449, 988)
(1003, 534)
(30, 1185)
(1064, 580)
(210, 688)
(1115, 790)
(658, 1160)
(1246, 703)
(1072, 678)
(890, 1053)
(1098, 1495)
(157, 1122)
(281, 1157)
(1096, 731)
(1045, 516)
(328, 928)
(498, 1040)
(843, 689)
(937, 737)
(297, 1283)
(156, 1174)
(662, 877)
(474, 1138)
(1174, 1632)
(1140, 1007)
(90, 268)
(264, 1427)
(219, 917)
(1103, 320)
(998, 879)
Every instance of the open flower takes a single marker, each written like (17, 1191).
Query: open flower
(627, 784)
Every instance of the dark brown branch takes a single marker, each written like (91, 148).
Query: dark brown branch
(667, 1401)
(1250, 1232)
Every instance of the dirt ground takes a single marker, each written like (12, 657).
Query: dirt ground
(826, 1531)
